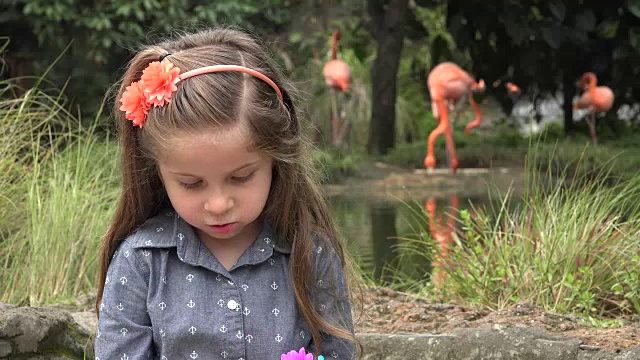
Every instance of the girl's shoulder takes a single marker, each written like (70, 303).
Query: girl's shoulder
(161, 231)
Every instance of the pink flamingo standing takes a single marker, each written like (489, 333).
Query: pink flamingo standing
(595, 99)
(337, 76)
(449, 84)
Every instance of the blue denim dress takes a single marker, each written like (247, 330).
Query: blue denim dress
(167, 297)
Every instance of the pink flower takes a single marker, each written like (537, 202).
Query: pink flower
(160, 79)
(134, 104)
(297, 355)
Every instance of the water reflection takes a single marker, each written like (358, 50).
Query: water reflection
(442, 226)
(381, 232)
(384, 238)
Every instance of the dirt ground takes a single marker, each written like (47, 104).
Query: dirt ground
(383, 310)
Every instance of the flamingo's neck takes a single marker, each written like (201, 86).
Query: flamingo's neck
(593, 82)
(334, 44)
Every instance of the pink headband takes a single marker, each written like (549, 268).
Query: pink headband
(158, 83)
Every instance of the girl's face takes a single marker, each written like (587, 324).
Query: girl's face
(216, 183)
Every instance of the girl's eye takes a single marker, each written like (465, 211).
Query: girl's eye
(243, 179)
(190, 185)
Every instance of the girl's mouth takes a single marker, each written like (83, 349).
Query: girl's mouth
(222, 229)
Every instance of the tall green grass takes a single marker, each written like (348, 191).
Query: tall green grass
(570, 245)
(57, 191)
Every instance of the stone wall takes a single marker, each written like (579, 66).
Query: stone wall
(50, 333)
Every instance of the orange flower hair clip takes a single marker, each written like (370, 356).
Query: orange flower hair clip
(159, 81)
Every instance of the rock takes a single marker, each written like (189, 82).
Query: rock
(483, 343)
(87, 320)
(49, 333)
(5, 306)
(44, 333)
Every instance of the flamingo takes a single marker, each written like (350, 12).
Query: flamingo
(512, 88)
(594, 99)
(442, 233)
(448, 83)
(337, 74)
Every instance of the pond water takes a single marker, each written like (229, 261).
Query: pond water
(380, 228)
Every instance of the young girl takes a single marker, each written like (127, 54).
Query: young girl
(221, 246)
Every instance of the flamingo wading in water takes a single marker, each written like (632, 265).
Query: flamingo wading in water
(595, 99)
(449, 84)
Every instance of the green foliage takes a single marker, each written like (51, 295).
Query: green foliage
(101, 26)
(334, 164)
(59, 184)
(569, 245)
(102, 33)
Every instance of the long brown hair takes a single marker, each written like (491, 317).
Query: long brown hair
(295, 208)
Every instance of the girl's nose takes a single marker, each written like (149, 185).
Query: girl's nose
(218, 204)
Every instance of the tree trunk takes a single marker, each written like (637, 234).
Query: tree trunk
(388, 28)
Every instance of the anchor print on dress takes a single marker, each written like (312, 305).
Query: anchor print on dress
(275, 312)
(190, 277)
(221, 303)
(162, 305)
(274, 286)
(244, 287)
(278, 338)
(124, 357)
(162, 333)
(192, 330)
(124, 331)
(248, 338)
(120, 307)
(223, 328)
(159, 229)
(334, 354)
(191, 304)
(271, 261)
(123, 280)
(239, 334)
(193, 355)
(246, 311)
(224, 354)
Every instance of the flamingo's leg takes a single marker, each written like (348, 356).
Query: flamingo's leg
(478, 118)
(443, 124)
(335, 122)
(451, 150)
(592, 127)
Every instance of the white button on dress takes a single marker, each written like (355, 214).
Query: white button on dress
(232, 304)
